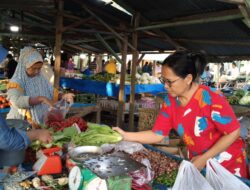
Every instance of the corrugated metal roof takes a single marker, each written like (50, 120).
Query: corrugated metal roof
(214, 26)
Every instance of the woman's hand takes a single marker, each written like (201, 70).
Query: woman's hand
(199, 162)
(45, 100)
(120, 131)
(42, 135)
(69, 97)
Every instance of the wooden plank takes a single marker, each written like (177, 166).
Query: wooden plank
(120, 118)
(106, 45)
(145, 21)
(197, 19)
(79, 48)
(76, 24)
(103, 23)
(134, 64)
(59, 27)
(215, 42)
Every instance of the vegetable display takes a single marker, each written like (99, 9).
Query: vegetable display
(62, 124)
(96, 135)
(239, 97)
(4, 103)
(165, 169)
(59, 138)
(245, 100)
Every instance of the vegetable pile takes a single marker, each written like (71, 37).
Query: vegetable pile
(239, 97)
(165, 169)
(62, 124)
(96, 135)
(4, 103)
(59, 138)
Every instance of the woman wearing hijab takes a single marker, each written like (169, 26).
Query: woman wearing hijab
(29, 92)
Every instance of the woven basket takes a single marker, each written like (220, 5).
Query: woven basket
(147, 118)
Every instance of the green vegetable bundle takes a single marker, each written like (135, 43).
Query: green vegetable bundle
(96, 135)
(59, 138)
(167, 179)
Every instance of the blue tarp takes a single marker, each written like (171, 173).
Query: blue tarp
(3, 53)
(108, 89)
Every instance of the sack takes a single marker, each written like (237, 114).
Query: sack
(221, 179)
(190, 178)
(57, 112)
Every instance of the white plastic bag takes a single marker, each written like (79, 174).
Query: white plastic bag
(221, 179)
(189, 178)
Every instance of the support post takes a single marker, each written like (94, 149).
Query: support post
(59, 27)
(134, 64)
(120, 118)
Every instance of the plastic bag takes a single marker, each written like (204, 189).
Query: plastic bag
(57, 112)
(190, 178)
(123, 146)
(221, 179)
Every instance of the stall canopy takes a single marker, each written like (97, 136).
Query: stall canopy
(218, 27)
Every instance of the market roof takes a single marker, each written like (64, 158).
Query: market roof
(218, 27)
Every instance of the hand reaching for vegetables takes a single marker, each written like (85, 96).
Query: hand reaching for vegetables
(42, 135)
(69, 97)
(120, 131)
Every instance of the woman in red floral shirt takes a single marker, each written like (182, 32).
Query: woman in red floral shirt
(200, 114)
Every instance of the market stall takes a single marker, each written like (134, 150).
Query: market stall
(96, 158)
(107, 88)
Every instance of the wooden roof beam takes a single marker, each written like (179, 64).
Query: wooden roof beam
(197, 19)
(232, 1)
(103, 23)
(214, 42)
(37, 17)
(79, 48)
(106, 45)
(38, 36)
(76, 24)
(164, 35)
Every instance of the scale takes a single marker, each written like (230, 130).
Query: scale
(84, 179)
(109, 165)
(49, 162)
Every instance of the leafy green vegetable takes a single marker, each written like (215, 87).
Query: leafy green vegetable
(59, 138)
(167, 179)
(239, 93)
(245, 100)
(96, 135)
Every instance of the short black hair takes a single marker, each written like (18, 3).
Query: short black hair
(9, 56)
(184, 62)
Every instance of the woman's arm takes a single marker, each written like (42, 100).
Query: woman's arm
(144, 137)
(222, 144)
(16, 139)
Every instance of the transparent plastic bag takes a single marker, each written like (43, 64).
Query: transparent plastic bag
(123, 146)
(129, 147)
(221, 179)
(57, 112)
(190, 178)
(142, 176)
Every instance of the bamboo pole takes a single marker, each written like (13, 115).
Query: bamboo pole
(120, 118)
(134, 64)
(59, 27)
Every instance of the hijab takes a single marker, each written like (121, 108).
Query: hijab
(32, 86)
